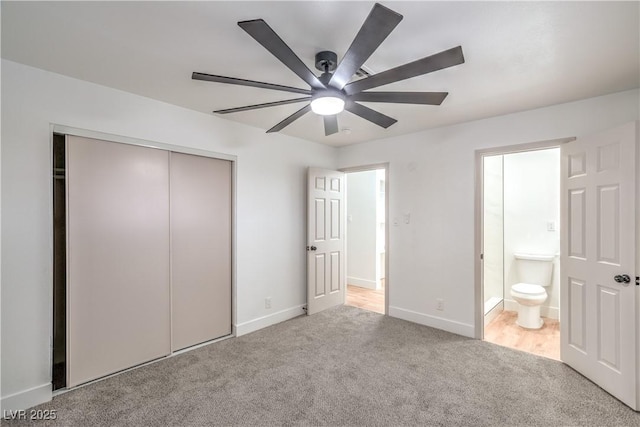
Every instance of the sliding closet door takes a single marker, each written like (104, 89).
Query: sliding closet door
(200, 249)
(118, 257)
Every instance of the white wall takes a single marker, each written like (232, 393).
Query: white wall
(271, 174)
(432, 178)
(531, 200)
(493, 229)
(361, 228)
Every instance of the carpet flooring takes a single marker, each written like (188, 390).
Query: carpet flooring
(344, 367)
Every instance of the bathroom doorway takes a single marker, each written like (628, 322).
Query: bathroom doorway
(366, 238)
(520, 211)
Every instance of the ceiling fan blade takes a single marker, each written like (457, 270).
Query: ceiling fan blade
(369, 114)
(444, 59)
(242, 82)
(266, 104)
(286, 122)
(330, 124)
(263, 34)
(427, 98)
(378, 25)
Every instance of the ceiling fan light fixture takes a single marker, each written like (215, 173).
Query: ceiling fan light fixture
(327, 104)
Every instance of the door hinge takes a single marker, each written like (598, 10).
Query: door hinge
(637, 280)
(481, 256)
(304, 308)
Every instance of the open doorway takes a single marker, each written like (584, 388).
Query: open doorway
(521, 244)
(366, 239)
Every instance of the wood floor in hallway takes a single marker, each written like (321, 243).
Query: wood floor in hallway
(543, 342)
(367, 299)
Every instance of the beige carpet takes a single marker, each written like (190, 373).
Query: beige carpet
(345, 367)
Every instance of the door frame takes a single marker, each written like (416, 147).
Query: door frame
(479, 217)
(69, 130)
(365, 168)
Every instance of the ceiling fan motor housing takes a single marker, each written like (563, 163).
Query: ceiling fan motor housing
(326, 61)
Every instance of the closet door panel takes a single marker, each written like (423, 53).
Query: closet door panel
(200, 249)
(118, 257)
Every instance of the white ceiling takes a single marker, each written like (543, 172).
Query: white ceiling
(518, 55)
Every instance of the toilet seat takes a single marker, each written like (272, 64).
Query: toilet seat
(528, 289)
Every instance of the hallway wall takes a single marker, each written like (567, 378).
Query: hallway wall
(361, 229)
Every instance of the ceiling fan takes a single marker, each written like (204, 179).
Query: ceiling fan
(332, 92)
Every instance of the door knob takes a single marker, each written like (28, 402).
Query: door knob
(311, 248)
(622, 278)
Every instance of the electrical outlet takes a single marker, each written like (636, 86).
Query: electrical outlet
(267, 302)
(440, 304)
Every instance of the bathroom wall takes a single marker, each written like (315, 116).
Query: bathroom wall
(531, 207)
(493, 249)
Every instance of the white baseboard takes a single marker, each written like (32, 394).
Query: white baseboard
(452, 326)
(271, 319)
(493, 313)
(363, 283)
(545, 310)
(27, 398)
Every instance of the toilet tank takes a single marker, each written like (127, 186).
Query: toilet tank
(535, 269)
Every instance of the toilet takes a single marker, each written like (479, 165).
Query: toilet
(534, 273)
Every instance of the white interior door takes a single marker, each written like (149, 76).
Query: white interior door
(598, 246)
(326, 272)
